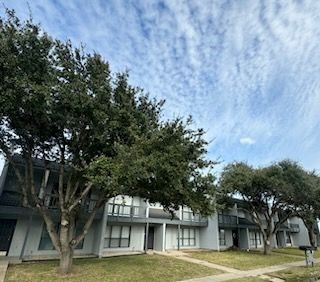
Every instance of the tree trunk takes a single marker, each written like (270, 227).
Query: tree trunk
(312, 236)
(66, 260)
(267, 248)
(66, 253)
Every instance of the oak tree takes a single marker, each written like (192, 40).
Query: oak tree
(61, 105)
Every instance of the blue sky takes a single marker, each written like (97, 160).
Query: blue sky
(247, 71)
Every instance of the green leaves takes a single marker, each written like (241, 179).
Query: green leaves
(281, 189)
(61, 104)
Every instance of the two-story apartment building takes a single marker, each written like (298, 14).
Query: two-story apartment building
(128, 224)
(236, 229)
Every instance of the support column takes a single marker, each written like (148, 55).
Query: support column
(164, 237)
(146, 238)
(178, 237)
(103, 229)
(248, 238)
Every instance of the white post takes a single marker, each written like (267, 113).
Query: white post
(164, 237)
(248, 238)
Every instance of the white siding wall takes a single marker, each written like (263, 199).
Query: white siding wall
(158, 238)
(18, 237)
(301, 238)
(33, 240)
(171, 237)
(209, 236)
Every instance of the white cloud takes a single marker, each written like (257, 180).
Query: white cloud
(247, 141)
(240, 68)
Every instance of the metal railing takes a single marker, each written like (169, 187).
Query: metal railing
(120, 210)
(190, 216)
(227, 219)
(10, 198)
(51, 201)
(293, 227)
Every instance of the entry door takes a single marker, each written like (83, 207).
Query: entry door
(150, 238)
(6, 232)
(235, 238)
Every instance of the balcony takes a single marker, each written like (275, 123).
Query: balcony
(51, 201)
(11, 198)
(119, 212)
(227, 220)
(190, 216)
(294, 228)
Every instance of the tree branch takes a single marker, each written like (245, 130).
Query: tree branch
(82, 195)
(60, 186)
(75, 189)
(77, 239)
(50, 228)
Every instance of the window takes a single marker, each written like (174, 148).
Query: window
(187, 214)
(188, 237)
(45, 240)
(255, 238)
(118, 237)
(120, 206)
(222, 237)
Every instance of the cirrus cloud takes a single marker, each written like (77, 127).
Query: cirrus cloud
(240, 68)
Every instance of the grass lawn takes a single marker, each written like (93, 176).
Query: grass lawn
(248, 279)
(244, 260)
(132, 268)
(296, 274)
(293, 251)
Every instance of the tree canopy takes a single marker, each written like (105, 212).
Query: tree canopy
(61, 104)
(269, 193)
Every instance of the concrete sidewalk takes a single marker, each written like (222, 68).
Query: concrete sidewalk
(232, 273)
(3, 269)
(235, 273)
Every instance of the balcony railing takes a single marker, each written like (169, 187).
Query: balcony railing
(190, 216)
(10, 198)
(119, 210)
(52, 202)
(293, 227)
(14, 199)
(227, 219)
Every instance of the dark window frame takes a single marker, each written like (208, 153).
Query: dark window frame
(188, 238)
(255, 238)
(109, 238)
